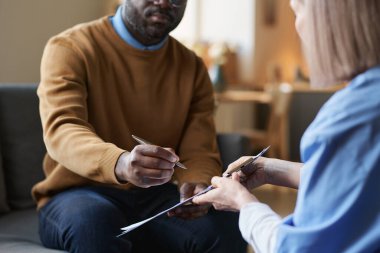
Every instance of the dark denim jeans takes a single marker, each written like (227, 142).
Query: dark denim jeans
(88, 219)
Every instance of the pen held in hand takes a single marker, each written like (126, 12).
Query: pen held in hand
(131, 227)
(238, 168)
(247, 162)
(142, 141)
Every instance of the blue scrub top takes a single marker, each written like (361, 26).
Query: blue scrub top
(338, 205)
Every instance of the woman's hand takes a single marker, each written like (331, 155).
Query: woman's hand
(268, 171)
(253, 175)
(228, 195)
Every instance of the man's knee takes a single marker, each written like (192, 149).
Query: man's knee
(82, 222)
(205, 243)
(203, 237)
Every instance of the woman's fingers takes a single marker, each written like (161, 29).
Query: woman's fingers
(228, 194)
(231, 167)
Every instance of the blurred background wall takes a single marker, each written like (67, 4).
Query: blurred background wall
(26, 25)
(277, 44)
(260, 32)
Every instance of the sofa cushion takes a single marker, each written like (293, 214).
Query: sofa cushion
(17, 245)
(3, 200)
(19, 233)
(22, 224)
(21, 142)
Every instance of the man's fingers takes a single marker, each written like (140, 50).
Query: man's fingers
(170, 150)
(186, 191)
(157, 173)
(158, 152)
(146, 182)
(199, 188)
(146, 177)
(149, 161)
(190, 211)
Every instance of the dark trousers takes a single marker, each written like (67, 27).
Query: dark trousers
(88, 219)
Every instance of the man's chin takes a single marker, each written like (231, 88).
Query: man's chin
(158, 33)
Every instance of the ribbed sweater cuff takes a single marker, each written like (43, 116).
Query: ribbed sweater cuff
(108, 163)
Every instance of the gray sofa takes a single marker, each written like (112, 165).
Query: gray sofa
(21, 154)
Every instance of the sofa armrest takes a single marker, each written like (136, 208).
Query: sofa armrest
(3, 197)
(21, 142)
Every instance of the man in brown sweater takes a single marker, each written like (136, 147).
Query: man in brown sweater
(101, 82)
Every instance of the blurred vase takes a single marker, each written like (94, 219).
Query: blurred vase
(217, 77)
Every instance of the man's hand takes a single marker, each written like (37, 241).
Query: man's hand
(190, 211)
(146, 165)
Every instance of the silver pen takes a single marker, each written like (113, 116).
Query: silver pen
(142, 141)
(248, 161)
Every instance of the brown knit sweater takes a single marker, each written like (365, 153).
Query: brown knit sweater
(96, 91)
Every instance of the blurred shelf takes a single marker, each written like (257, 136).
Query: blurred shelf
(243, 96)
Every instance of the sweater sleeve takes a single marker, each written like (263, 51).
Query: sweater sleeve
(259, 226)
(198, 148)
(69, 137)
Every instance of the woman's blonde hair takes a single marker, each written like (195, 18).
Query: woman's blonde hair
(344, 38)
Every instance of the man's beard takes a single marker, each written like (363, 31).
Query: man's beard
(151, 32)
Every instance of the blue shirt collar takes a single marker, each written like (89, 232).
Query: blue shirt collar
(122, 31)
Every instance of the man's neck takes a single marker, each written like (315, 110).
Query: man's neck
(129, 36)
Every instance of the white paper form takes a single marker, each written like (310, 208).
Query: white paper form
(138, 224)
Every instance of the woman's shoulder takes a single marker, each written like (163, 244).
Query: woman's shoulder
(356, 104)
(349, 115)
